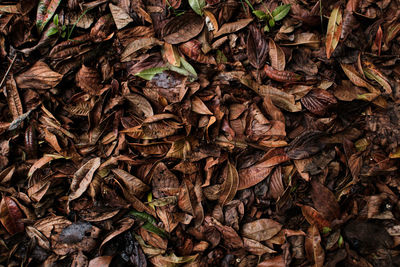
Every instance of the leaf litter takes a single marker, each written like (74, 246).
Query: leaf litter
(199, 133)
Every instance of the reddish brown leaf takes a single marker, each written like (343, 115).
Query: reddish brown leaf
(282, 76)
(257, 48)
(318, 101)
(11, 216)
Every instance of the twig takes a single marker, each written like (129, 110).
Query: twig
(9, 68)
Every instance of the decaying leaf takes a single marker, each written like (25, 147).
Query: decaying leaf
(230, 185)
(83, 177)
(334, 30)
(261, 230)
(315, 252)
(39, 76)
(182, 28)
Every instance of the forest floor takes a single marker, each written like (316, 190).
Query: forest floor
(200, 133)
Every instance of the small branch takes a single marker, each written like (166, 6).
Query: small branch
(8, 70)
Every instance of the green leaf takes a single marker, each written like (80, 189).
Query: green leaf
(45, 12)
(266, 28)
(280, 12)
(188, 67)
(271, 22)
(221, 58)
(149, 73)
(55, 19)
(143, 216)
(63, 28)
(326, 230)
(155, 230)
(52, 31)
(340, 241)
(260, 14)
(250, 5)
(63, 34)
(197, 6)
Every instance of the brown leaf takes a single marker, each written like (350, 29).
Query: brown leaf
(133, 184)
(305, 145)
(13, 99)
(277, 261)
(101, 261)
(314, 251)
(324, 201)
(230, 185)
(140, 44)
(122, 226)
(257, 48)
(11, 215)
(355, 78)
(121, 18)
(318, 101)
(193, 50)
(39, 76)
(232, 27)
(88, 79)
(256, 247)
(182, 28)
(83, 177)
(261, 230)
(313, 217)
(276, 56)
(171, 54)
(199, 107)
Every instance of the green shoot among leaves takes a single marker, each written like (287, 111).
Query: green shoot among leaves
(277, 14)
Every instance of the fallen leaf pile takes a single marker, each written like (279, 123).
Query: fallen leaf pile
(200, 133)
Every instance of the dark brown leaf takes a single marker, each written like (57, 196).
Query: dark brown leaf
(257, 48)
(182, 28)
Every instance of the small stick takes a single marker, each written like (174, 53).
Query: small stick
(9, 68)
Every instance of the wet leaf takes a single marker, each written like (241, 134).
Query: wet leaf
(11, 216)
(334, 30)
